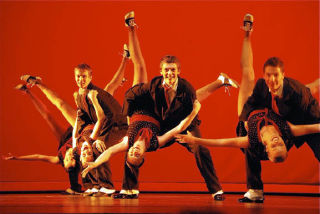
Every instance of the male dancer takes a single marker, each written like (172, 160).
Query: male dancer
(173, 99)
(289, 99)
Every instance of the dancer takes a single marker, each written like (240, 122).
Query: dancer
(269, 136)
(172, 100)
(66, 155)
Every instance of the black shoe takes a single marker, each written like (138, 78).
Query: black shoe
(32, 80)
(125, 196)
(129, 19)
(247, 22)
(248, 200)
(219, 197)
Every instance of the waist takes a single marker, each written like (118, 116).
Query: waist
(141, 117)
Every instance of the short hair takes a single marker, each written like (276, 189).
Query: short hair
(83, 67)
(274, 62)
(169, 59)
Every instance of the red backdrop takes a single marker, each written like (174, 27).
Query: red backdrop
(48, 39)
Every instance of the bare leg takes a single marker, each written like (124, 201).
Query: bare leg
(314, 86)
(117, 79)
(140, 71)
(68, 112)
(204, 92)
(247, 81)
(43, 110)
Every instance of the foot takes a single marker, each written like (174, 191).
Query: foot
(219, 197)
(21, 87)
(129, 19)
(125, 196)
(70, 191)
(248, 200)
(32, 80)
(247, 22)
(227, 81)
(126, 52)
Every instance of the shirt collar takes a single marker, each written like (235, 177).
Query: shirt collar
(279, 92)
(174, 87)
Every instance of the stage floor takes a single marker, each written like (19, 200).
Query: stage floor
(154, 203)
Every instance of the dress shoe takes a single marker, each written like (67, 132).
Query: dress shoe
(219, 197)
(129, 19)
(248, 22)
(227, 81)
(32, 80)
(248, 200)
(125, 196)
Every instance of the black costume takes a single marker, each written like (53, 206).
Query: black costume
(151, 96)
(113, 130)
(296, 106)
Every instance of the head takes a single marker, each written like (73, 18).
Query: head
(273, 73)
(136, 153)
(86, 154)
(69, 160)
(275, 146)
(83, 75)
(169, 69)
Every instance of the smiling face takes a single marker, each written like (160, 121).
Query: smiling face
(136, 153)
(275, 146)
(170, 72)
(273, 76)
(83, 77)
(69, 160)
(86, 154)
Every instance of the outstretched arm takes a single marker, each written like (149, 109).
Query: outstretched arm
(299, 130)
(34, 157)
(183, 125)
(117, 79)
(106, 155)
(237, 142)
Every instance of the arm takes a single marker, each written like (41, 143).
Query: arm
(238, 142)
(106, 155)
(92, 95)
(75, 134)
(299, 130)
(117, 79)
(182, 125)
(34, 157)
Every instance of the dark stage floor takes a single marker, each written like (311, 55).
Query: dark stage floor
(154, 203)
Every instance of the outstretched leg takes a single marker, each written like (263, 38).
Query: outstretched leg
(43, 110)
(68, 112)
(140, 71)
(247, 81)
(314, 86)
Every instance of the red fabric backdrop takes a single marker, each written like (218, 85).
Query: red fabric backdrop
(48, 39)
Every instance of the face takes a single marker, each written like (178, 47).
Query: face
(82, 77)
(69, 160)
(273, 77)
(275, 147)
(136, 153)
(170, 73)
(86, 154)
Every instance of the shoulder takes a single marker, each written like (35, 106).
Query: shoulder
(186, 86)
(294, 85)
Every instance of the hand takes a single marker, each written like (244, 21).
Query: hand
(182, 138)
(92, 94)
(9, 156)
(90, 166)
(75, 96)
(100, 145)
